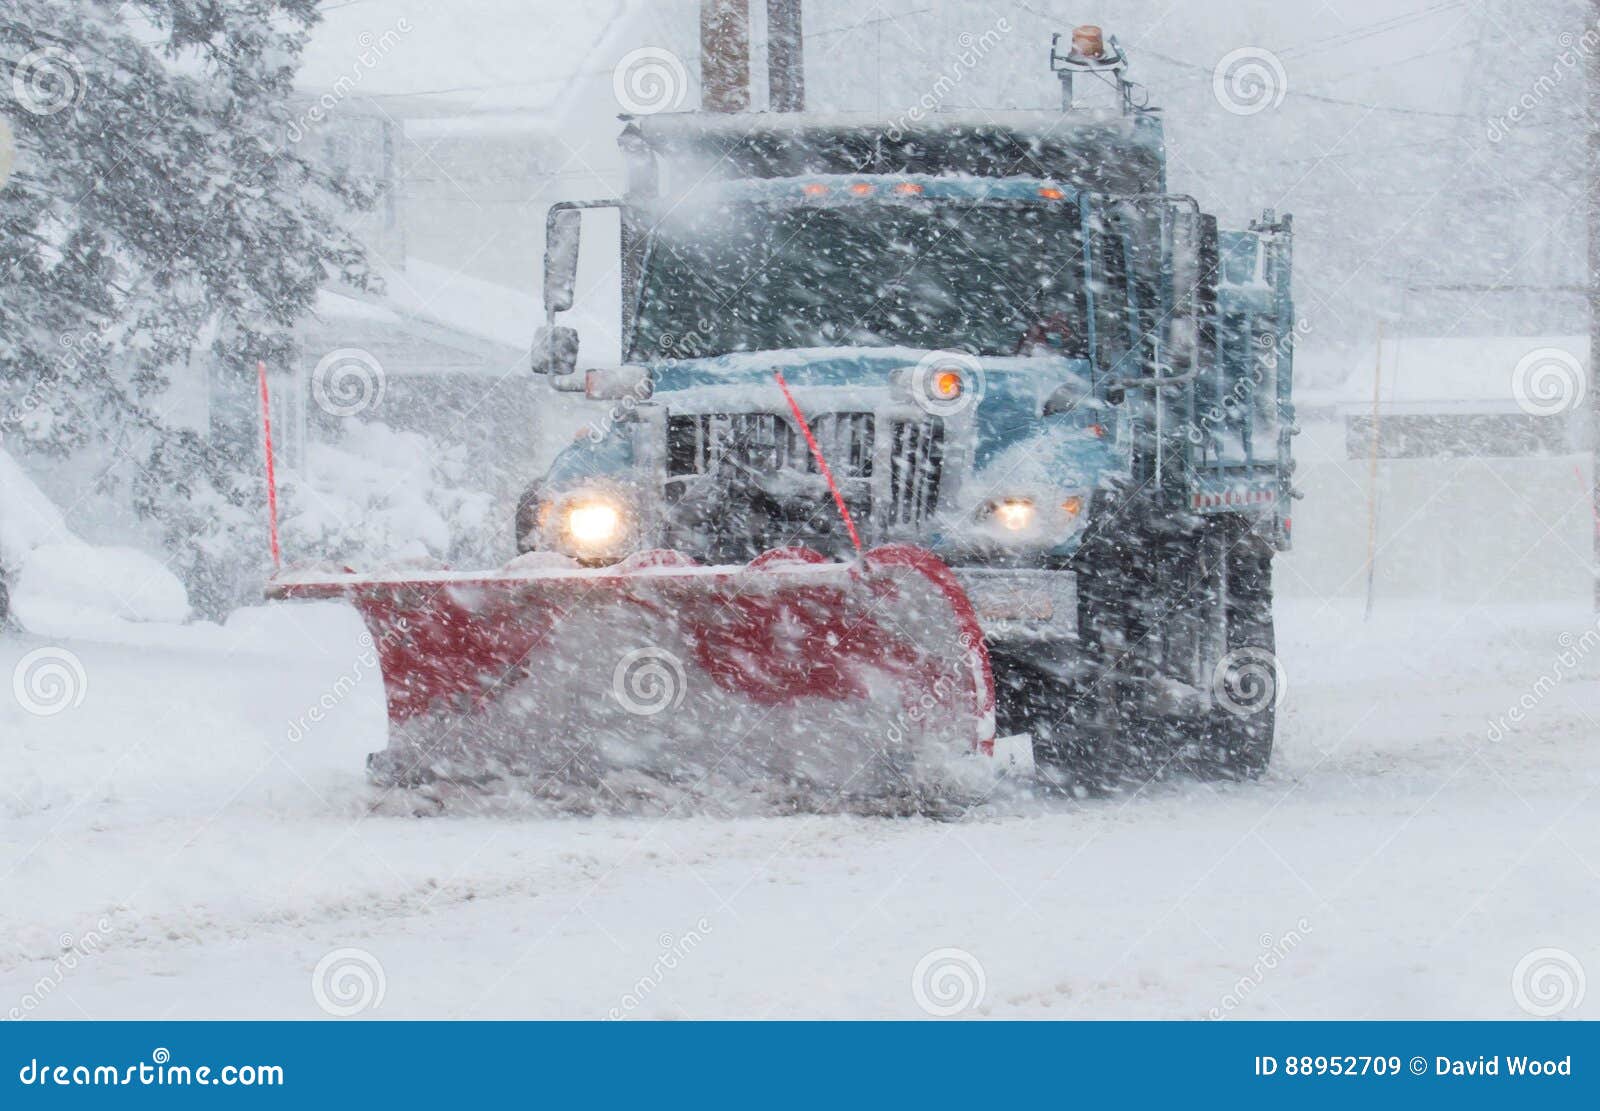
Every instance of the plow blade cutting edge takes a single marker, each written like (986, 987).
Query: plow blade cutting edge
(858, 679)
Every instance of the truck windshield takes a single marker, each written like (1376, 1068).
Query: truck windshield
(985, 277)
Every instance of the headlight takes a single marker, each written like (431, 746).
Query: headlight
(593, 523)
(591, 526)
(1015, 514)
(1053, 517)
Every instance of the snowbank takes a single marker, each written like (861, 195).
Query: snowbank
(74, 585)
(61, 585)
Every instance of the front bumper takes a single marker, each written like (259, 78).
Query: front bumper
(1022, 605)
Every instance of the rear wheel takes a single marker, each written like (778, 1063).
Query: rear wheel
(1246, 682)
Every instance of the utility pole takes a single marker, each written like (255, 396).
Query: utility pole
(725, 55)
(1592, 124)
(786, 73)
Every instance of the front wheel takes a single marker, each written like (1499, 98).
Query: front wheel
(1175, 664)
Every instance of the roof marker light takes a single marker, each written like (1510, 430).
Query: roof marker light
(909, 187)
(860, 188)
(1051, 193)
(814, 189)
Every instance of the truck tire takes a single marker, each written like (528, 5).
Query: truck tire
(1174, 664)
(1039, 691)
(1247, 682)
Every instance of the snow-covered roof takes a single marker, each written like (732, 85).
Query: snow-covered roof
(1456, 373)
(481, 308)
(439, 298)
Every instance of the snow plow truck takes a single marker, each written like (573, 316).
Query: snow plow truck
(936, 450)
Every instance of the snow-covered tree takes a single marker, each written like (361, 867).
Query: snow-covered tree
(159, 230)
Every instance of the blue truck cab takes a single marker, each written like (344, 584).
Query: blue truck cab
(1012, 346)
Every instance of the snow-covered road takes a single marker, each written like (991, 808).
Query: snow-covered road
(186, 842)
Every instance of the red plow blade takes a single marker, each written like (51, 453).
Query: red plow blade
(856, 679)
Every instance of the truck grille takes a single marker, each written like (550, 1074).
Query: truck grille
(915, 470)
(726, 489)
(765, 443)
(739, 484)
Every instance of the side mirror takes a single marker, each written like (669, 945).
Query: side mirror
(563, 229)
(555, 350)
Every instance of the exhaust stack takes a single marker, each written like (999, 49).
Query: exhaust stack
(786, 74)
(725, 55)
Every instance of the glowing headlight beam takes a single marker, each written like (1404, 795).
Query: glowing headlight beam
(594, 523)
(1016, 514)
